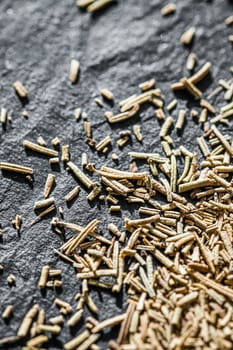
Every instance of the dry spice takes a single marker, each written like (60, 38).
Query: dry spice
(191, 88)
(186, 301)
(20, 89)
(80, 175)
(41, 141)
(74, 71)
(181, 119)
(147, 85)
(40, 149)
(49, 185)
(107, 94)
(17, 222)
(72, 194)
(43, 203)
(3, 116)
(43, 277)
(65, 153)
(191, 61)
(168, 9)
(16, 168)
(187, 37)
(7, 313)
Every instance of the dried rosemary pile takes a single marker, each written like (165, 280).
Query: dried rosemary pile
(174, 260)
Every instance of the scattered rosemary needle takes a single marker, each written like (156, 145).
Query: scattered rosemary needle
(72, 194)
(20, 89)
(74, 71)
(56, 142)
(191, 61)
(41, 141)
(40, 149)
(107, 94)
(16, 168)
(187, 37)
(3, 116)
(98, 5)
(229, 20)
(7, 313)
(137, 132)
(77, 114)
(84, 3)
(168, 9)
(65, 155)
(49, 185)
(44, 203)
(147, 85)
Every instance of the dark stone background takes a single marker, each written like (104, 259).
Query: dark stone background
(118, 48)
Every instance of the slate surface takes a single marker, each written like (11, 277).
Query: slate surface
(118, 48)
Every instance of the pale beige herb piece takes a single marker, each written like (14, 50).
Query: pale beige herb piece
(49, 185)
(20, 89)
(80, 175)
(147, 85)
(40, 149)
(8, 311)
(3, 116)
(84, 3)
(53, 329)
(43, 277)
(65, 153)
(172, 105)
(72, 194)
(187, 37)
(168, 9)
(107, 94)
(191, 88)
(181, 119)
(229, 20)
(43, 203)
(41, 141)
(191, 61)
(98, 5)
(74, 71)
(16, 168)
(166, 126)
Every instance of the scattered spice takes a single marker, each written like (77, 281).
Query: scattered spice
(17, 222)
(3, 116)
(74, 71)
(72, 194)
(65, 153)
(49, 185)
(16, 168)
(147, 85)
(44, 203)
(20, 89)
(11, 279)
(187, 37)
(107, 94)
(41, 141)
(181, 119)
(98, 5)
(168, 9)
(40, 149)
(55, 142)
(43, 277)
(229, 20)
(7, 313)
(191, 61)
(54, 161)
